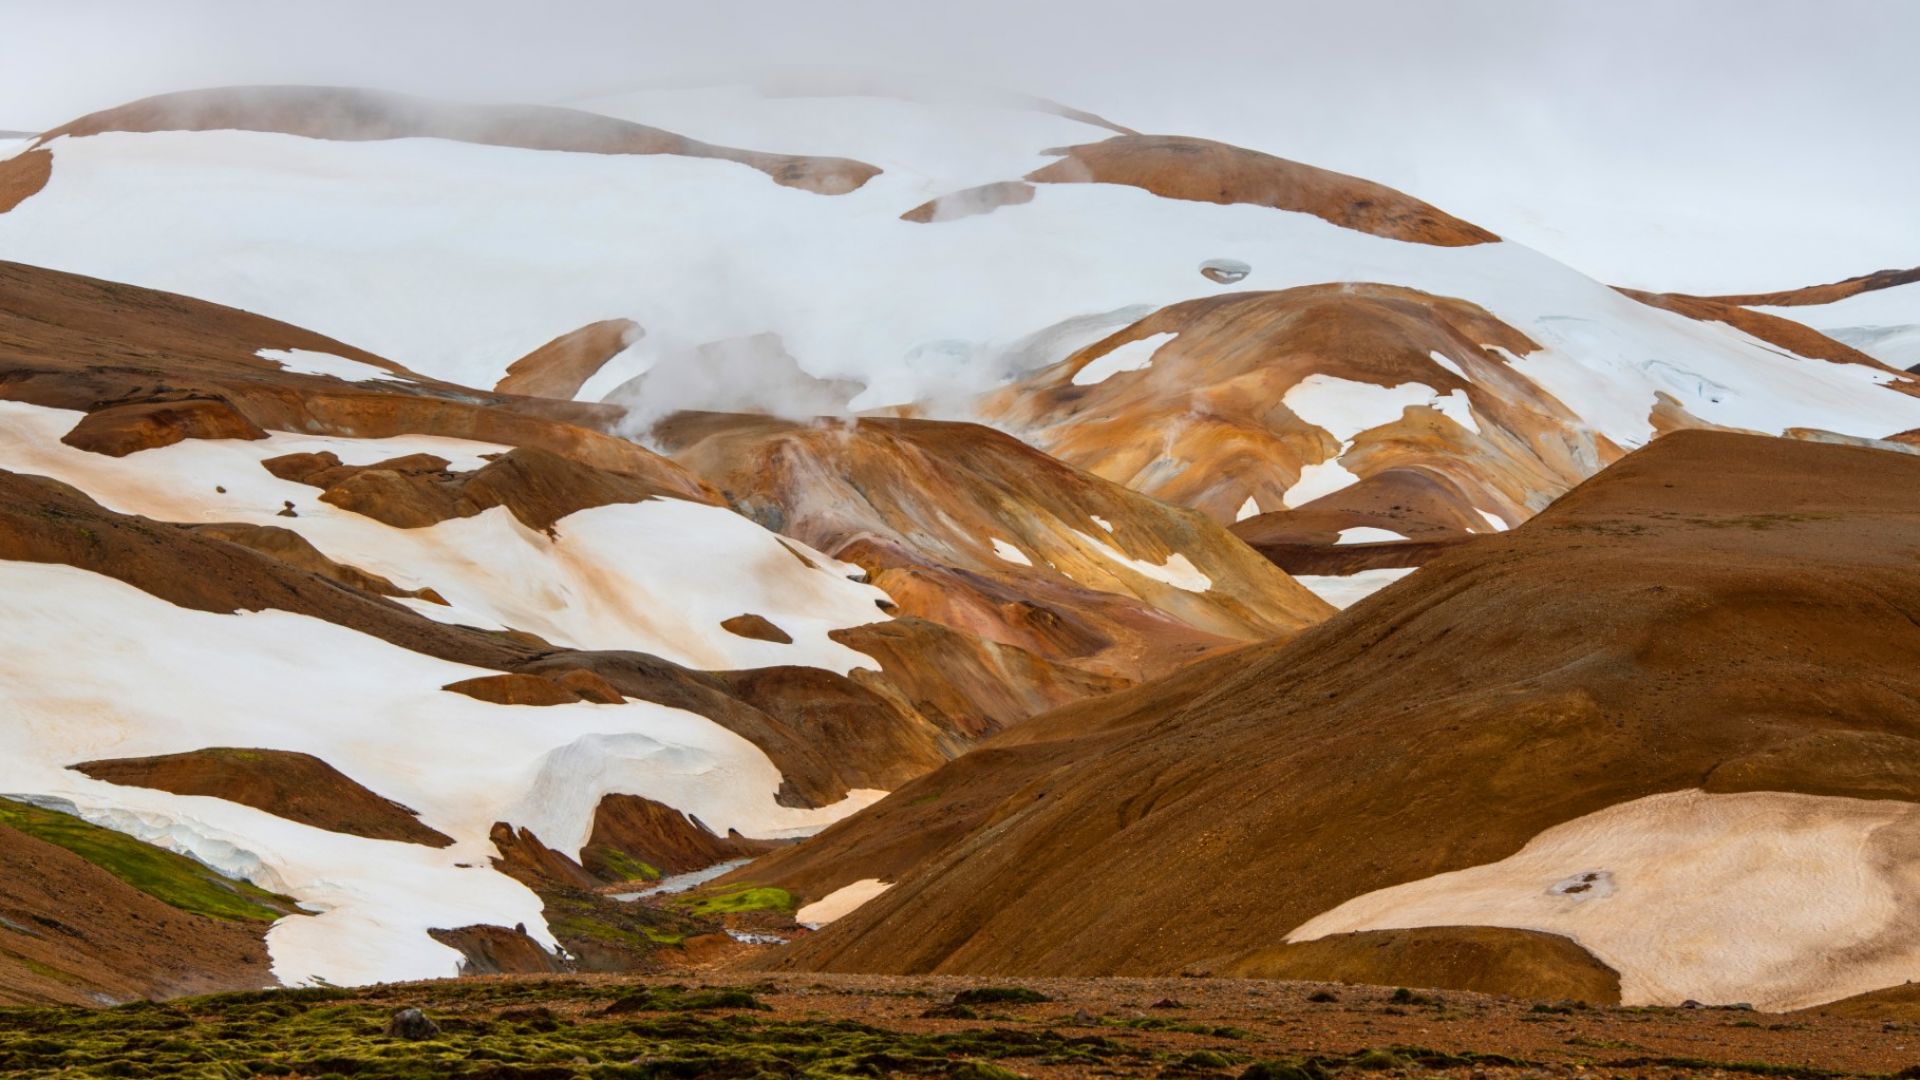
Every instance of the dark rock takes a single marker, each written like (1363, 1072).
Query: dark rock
(412, 1024)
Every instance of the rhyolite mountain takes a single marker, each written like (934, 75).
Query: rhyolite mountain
(439, 516)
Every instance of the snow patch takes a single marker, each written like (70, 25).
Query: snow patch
(840, 903)
(1782, 900)
(1248, 509)
(182, 680)
(1344, 591)
(1445, 361)
(1317, 479)
(1009, 553)
(1131, 356)
(1457, 408)
(309, 362)
(1345, 408)
(1367, 534)
(1178, 571)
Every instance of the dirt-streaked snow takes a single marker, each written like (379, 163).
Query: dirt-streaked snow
(1782, 900)
(657, 576)
(94, 668)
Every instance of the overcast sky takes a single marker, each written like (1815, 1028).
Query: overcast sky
(1705, 145)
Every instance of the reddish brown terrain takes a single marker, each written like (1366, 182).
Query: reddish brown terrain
(559, 368)
(921, 504)
(299, 787)
(1714, 611)
(1814, 295)
(1178, 167)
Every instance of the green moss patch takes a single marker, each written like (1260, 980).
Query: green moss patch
(737, 901)
(168, 877)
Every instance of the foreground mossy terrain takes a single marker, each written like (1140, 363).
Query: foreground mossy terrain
(584, 1028)
(163, 875)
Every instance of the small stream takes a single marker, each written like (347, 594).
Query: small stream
(683, 882)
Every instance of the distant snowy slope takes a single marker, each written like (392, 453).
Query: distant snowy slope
(456, 259)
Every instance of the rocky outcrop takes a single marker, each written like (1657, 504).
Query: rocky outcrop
(1350, 395)
(126, 429)
(1816, 295)
(298, 787)
(514, 689)
(293, 549)
(420, 490)
(637, 839)
(562, 366)
(1177, 167)
(22, 176)
(756, 627)
(497, 950)
(354, 115)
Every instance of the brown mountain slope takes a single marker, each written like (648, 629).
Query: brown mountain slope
(1179, 167)
(1716, 611)
(71, 932)
(1787, 334)
(967, 527)
(331, 112)
(1814, 295)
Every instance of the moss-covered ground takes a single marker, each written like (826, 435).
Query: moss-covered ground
(587, 1027)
